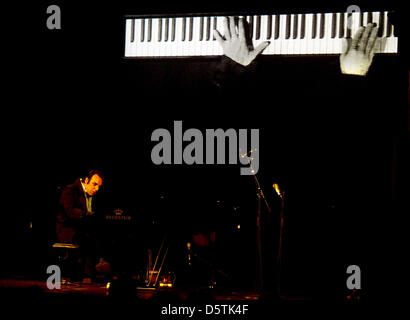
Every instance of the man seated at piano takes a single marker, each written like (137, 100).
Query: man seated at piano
(77, 223)
(356, 59)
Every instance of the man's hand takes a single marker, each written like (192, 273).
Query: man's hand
(234, 42)
(90, 213)
(358, 52)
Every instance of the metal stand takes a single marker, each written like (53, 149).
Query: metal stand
(279, 257)
(260, 195)
(153, 275)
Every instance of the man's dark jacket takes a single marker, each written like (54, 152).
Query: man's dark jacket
(71, 217)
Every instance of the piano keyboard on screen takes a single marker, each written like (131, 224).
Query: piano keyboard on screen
(289, 34)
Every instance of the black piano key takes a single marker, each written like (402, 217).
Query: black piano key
(183, 29)
(142, 30)
(381, 24)
(369, 17)
(251, 26)
(258, 27)
(322, 26)
(191, 28)
(288, 23)
(314, 26)
(277, 24)
(303, 27)
(173, 23)
(201, 28)
(208, 28)
(389, 28)
(214, 27)
(334, 24)
(149, 35)
(295, 26)
(393, 19)
(388, 25)
(269, 27)
(342, 26)
(132, 30)
(361, 19)
(166, 31)
(159, 30)
(149, 30)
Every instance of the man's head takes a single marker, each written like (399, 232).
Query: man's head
(93, 181)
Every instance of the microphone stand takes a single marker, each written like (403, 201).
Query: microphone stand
(260, 195)
(279, 257)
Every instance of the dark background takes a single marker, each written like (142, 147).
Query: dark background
(76, 104)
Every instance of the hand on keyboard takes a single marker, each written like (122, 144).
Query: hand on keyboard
(358, 52)
(234, 42)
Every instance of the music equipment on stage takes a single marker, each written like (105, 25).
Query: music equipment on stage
(289, 34)
(153, 275)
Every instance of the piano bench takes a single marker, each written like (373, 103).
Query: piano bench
(65, 259)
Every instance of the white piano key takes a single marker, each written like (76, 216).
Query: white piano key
(306, 45)
(263, 30)
(153, 45)
(282, 35)
(269, 49)
(139, 48)
(127, 51)
(205, 42)
(213, 44)
(391, 42)
(209, 41)
(290, 41)
(364, 24)
(355, 24)
(188, 47)
(376, 16)
(316, 40)
(297, 41)
(185, 35)
(218, 48)
(327, 39)
(177, 47)
(215, 47)
(196, 45)
(147, 44)
(337, 42)
(322, 40)
(253, 35)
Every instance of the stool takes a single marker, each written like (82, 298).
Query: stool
(65, 259)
